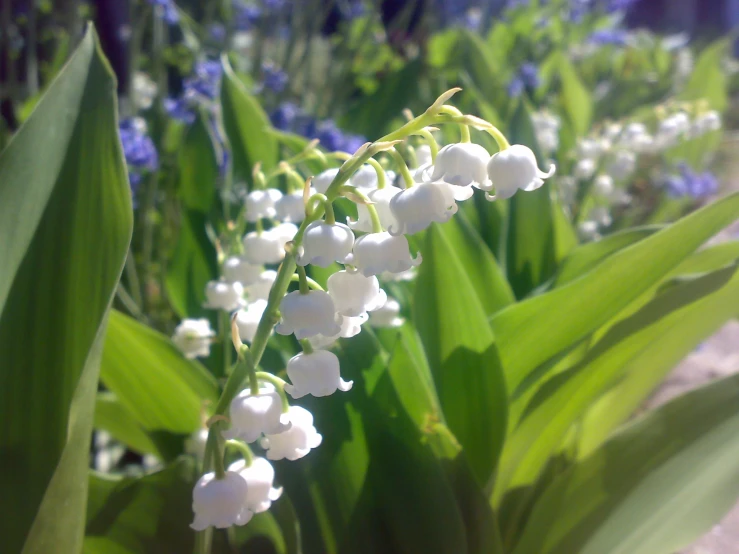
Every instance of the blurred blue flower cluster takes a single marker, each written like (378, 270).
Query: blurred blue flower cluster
(245, 16)
(291, 118)
(138, 149)
(167, 10)
(527, 76)
(609, 37)
(201, 87)
(689, 183)
(274, 79)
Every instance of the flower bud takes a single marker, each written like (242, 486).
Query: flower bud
(378, 252)
(308, 315)
(261, 203)
(220, 502)
(421, 205)
(325, 243)
(462, 164)
(316, 373)
(220, 295)
(193, 337)
(354, 294)
(254, 414)
(238, 270)
(297, 441)
(259, 477)
(515, 168)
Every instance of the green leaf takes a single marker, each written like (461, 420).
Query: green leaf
(577, 101)
(113, 417)
(65, 226)
(193, 264)
(585, 257)
(461, 352)
(532, 331)
(651, 342)
(142, 515)
(198, 165)
(708, 80)
(247, 127)
(653, 488)
(161, 388)
(531, 235)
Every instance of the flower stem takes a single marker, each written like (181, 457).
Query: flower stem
(381, 177)
(225, 333)
(431, 141)
(302, 280)
(403, 168)
(243, 449)
(374, 216)
(306, 346)
(279, 385)
(311, 283)
(212, 445)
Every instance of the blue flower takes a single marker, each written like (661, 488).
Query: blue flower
(204, 82)
(529, 74)
(246, 15)
(620, 5)
(615, 37)
(216, 32)
(167, 9)
(291, 118)
(179, 109)
(689, 183)
(273, 78)
(515, 87)
(138, 149)
(284, 117)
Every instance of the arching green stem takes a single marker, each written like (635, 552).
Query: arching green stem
(374, 216)
(279, 385)
(302, 280)
(403, 168)
(381, 177)
(243, 449)
(311, 283)
(431, 141)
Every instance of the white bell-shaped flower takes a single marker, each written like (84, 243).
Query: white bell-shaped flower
(221, 295)
(263, 248)
(260, 289)
(365, 178)
(387, 316)
(407, 275)
(603, 186)
(325, 243)
(193, 337)
(350, 327)
(705, 123)
(285, 232)
(308, 315)
(423, 155)
(672, 128)
(316, 374)
(238, 270)
(422, 174)
(354, 294)
(380, 198)
(261, 203)
(515, 168)
(323, 180)
(622, 164)
(290, 208)
(247, 319)
(220, 503)
(419, 206)
(259, 477)
(585, 168)
(462, 164)
(375, 253)
(297, 441)
(254, 414)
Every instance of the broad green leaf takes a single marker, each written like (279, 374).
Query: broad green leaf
(577, 101)
(531, 235)
(532, 331)
(486, 277)
(113, 417)
(655, 487)
(652, 340)
(161, 388)
(461, 353)
(198, 167)
(194, 263)
(65, 226)
(585, 257)
(247, 127)
(142, 515)
(708, 80)
(710, 259)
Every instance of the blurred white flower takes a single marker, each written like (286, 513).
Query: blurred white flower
(248, 319)
(260, 289)
(259, 477)
(238, 270)
(546, 128)
(297, 441)
(365, 178)
(322, 181)
(325, 243)
(515, 168)
(387, 316)
(636, 137)
(350, 327)
(144, 90)
(584, 169)
(375, 253)
(263, 248)
(220, 502)
(308, 315)
(254, 414)
(261, 204)
(705, 123)
(603, 186)
(423, 154)
(622, 164)
(316, 374)
(221, 295)
(193, 337)
(354, 294)
(195, 444)
(290, 208)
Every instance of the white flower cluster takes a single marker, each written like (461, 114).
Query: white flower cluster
(318, 318)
